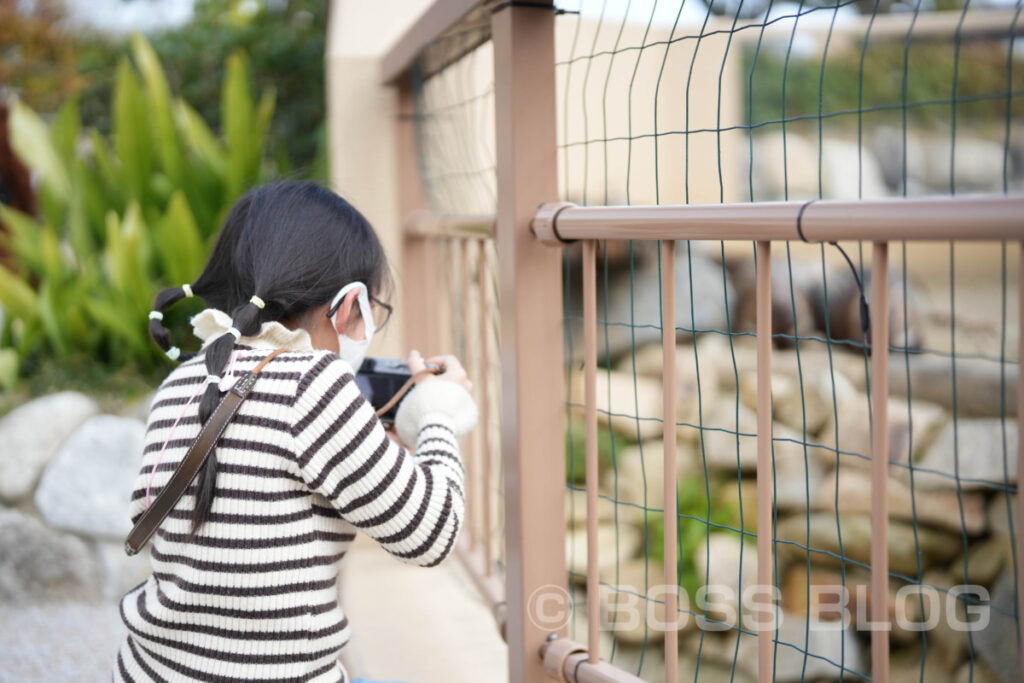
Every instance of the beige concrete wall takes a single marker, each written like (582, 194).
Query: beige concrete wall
(360, 127)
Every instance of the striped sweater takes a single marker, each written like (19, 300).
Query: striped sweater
(302, 467)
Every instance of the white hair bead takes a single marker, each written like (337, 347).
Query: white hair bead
(156, 315)
(233, 331)
(260, 303)
(213, 379)
(188, 290)
(173, 353)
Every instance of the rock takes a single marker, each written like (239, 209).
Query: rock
(792, 308)
(985, 559)
(40, 564)
(696, 379)
(726, 566)
(935, 546)
(638, 481)
(30, 436)
(832, 651)
(979, 383)
(905, 664)
(799, 174)
(576, 508)
(949, 643)
(887, 142)
(978, 164)
(997, 642)
(615, 545)
(906, 431)
(941, 509)
(793, 402)
(633, 408)
(978, 672)
(850, 171)
(120, 573)
(86, 487)
(634, 314)
(1002, 509)
(985, 460)
(847, 171)
(632, 603)
(828, 595)
(814, 360)
(741, 496)
(796, 473)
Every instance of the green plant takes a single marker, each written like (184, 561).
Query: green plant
(121, 216)
(575, 449)
(285, 42)
(698, 517)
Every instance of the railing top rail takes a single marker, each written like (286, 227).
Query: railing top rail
(438, 19)
(963, 217)
(427, 224)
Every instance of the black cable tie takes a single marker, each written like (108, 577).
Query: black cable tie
(865, 310)
(800, 219)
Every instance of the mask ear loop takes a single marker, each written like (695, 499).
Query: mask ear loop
(363, 299)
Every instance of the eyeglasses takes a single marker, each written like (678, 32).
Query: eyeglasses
(380, 310)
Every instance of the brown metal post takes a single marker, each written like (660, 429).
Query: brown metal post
(765, 532)
(485, 405)
(1020, 448)
(419, 273)
(671, 515)
(880, 463)
(533, 412)
(471, 452)
(590, 443)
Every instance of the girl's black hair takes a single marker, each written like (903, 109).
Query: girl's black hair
(292, 244)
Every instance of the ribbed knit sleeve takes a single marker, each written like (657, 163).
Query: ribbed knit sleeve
(412, 504)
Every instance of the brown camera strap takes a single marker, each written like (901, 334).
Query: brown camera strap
(193, 460)
(400, 394)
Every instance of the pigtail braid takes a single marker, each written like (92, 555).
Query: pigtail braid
(246, 319)
(157, 331)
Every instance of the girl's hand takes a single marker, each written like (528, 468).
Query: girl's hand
(453, 370)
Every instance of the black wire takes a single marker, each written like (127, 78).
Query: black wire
(865, 310)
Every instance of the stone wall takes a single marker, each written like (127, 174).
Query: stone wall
(952, 482)
(66, 472)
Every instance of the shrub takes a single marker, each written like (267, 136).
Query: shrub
(121, 215)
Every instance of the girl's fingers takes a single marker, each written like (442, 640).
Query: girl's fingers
(416, 363)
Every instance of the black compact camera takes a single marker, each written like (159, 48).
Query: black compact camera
(381, 378)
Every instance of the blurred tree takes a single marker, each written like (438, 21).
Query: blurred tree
(285, 41)
(38, 60)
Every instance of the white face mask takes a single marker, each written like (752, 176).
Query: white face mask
(351, 350)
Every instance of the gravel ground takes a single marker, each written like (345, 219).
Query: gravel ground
(59, 642)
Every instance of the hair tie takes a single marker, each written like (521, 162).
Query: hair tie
(156, 315)
(188, 290)
(173, 353)
(213, 379)
(258, 302)
(233, 331)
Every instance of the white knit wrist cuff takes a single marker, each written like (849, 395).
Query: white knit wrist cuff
(435, 396)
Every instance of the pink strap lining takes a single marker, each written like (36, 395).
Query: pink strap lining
(174, 427)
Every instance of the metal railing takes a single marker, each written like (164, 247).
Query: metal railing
(530, 369)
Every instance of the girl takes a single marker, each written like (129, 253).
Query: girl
(245, 567)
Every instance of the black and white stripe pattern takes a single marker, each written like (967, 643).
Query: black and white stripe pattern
(302, 467)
